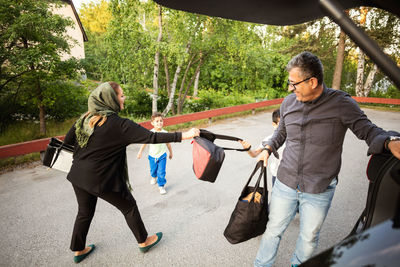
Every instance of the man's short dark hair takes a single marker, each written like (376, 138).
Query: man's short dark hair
(309, 65)
(276, 115)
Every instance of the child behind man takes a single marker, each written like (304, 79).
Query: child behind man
(157, 154)
(273, 161)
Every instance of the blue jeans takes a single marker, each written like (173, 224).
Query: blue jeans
(273, 180)
(157, 168)
(313, 209)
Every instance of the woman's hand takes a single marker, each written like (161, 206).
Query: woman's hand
(244, 144)
(190, 134)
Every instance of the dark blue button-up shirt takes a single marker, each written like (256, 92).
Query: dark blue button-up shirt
(314, 133)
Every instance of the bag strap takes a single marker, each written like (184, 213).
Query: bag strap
(59, 148)
(263, 173)
(212, 136)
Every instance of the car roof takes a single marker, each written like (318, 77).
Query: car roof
(272, 12)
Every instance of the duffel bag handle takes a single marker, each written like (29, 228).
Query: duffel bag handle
(263, 173)
(212, 136)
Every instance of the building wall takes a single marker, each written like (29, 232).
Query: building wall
(77, 50)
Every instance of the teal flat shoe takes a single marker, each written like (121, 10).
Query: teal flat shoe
(147, 248)
(78, 259)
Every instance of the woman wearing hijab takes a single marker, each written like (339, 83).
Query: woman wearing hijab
(99, 168)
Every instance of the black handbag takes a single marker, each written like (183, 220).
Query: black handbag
(58, 155)
(250, 216)
(208, 157)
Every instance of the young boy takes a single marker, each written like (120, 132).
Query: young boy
(273, 161)
(157, 154)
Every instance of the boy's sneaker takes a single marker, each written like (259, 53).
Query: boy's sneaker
(162, 190)
(153, 181)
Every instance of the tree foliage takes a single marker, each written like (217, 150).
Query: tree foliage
(33, 40)
(95, 16)
(223, 59)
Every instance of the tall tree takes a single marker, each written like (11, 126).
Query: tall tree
(196, 84)
(129, 47)
(384, 29)
(361, 57)
(184, 34)
(360, 74)
(157, 61)
(369, 80)
(337, 75)
(95, 16)
(32, 42)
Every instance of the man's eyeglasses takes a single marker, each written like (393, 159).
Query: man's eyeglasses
(294, 84)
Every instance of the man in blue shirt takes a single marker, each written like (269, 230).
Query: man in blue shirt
(314, 121)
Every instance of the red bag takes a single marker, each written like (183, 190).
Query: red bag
(208, 157)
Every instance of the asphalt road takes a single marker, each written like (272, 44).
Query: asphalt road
(38, 208)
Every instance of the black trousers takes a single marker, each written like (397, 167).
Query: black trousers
(87, 206)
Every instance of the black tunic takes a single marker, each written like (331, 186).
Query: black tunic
(99, 167)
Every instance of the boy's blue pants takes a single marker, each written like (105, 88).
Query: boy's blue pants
(157, 168)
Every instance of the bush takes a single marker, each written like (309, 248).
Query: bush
(69, 100)
(139, 102)
(212, 99)
(62, 100)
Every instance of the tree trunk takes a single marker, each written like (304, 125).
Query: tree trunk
(156, 62)
(182, 100)
(167, 75)
(196, 84)
(370, 79)
(170, 105)
(171, 93)
(42, 118)
(360, 74)
(42, 112)
(361, 59)
(183, 84)
(337, 76)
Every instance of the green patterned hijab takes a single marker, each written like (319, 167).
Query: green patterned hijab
(102, 101)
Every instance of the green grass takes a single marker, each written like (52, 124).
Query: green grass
(22, 131)
(383, 107)
(9, 163)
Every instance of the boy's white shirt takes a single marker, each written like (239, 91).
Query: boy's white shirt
(273, 162)
(157, 150)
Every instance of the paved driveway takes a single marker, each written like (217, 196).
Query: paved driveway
(38, 208)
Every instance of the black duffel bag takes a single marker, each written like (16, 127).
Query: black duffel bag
(250, 216)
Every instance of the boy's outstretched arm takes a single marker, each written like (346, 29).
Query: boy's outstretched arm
(139, 154)
(252, 153)
(170, 150)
